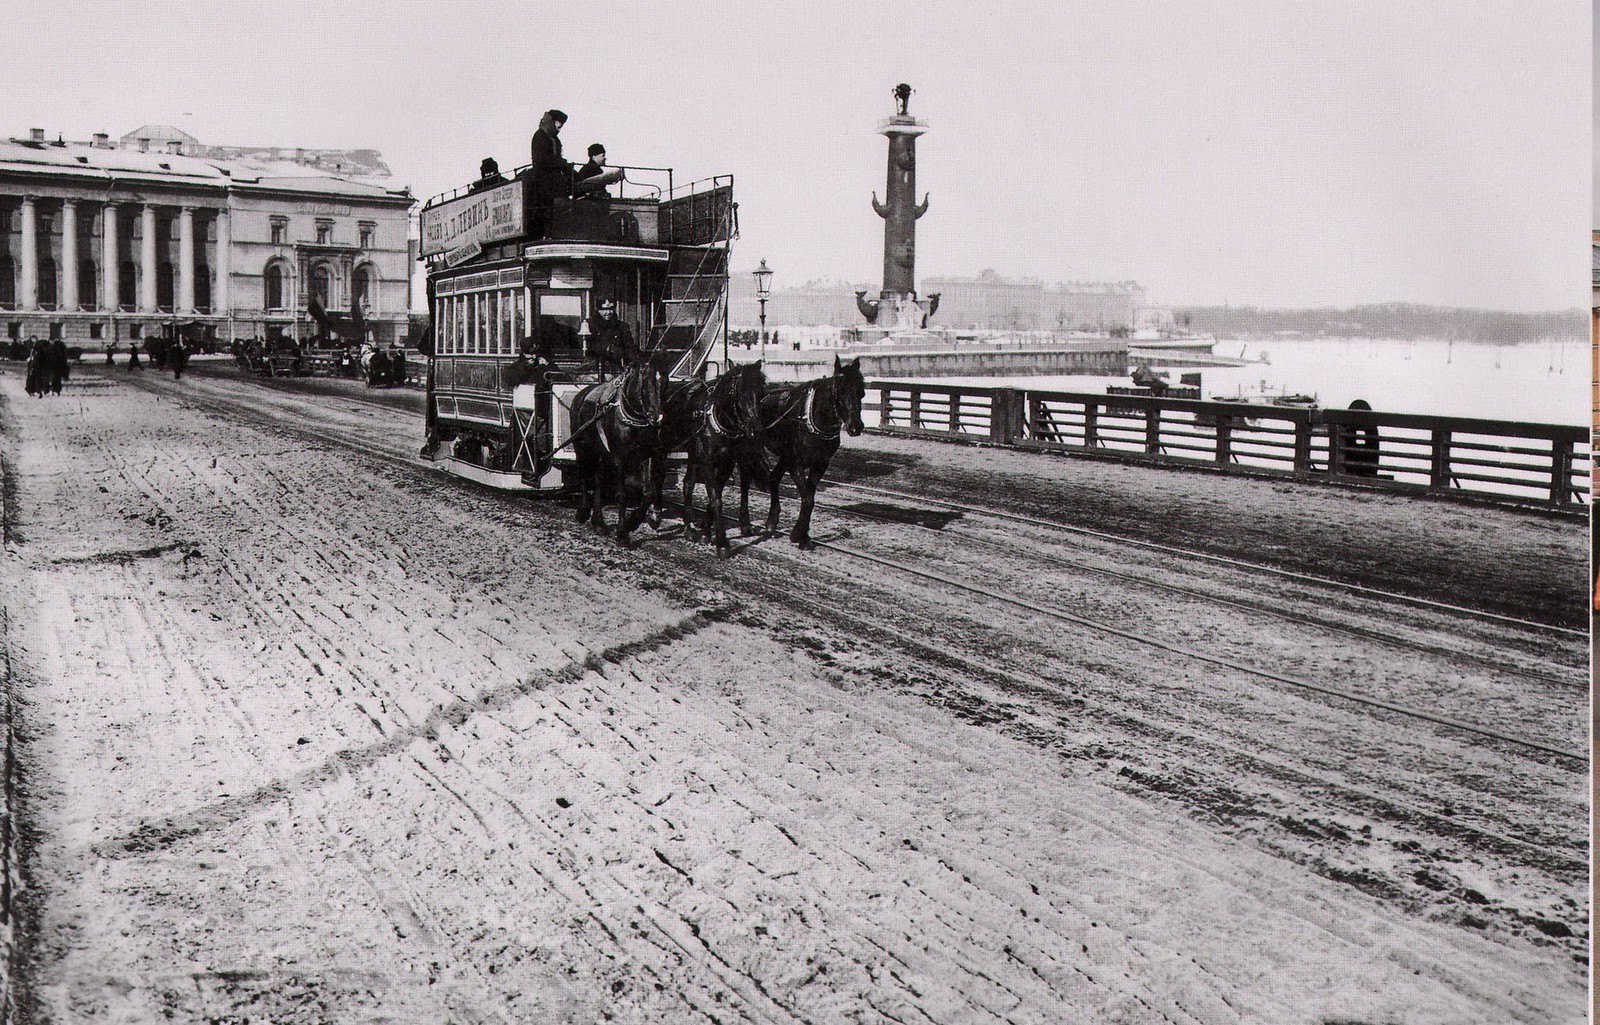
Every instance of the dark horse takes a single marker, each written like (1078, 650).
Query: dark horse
(618, 428)
(803, 423)
(727, 427)
(681, 402)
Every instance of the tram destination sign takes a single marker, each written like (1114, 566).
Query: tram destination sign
(480, 218)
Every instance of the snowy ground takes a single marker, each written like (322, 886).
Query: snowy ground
(310, 734)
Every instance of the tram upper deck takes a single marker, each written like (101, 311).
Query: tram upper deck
(540, 270)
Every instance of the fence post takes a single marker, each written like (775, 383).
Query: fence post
(1004, 407)
(1091, 425)
(1336, 453)
(883, 408)
(1302, 444)
(1560, 471)
(1152, 430)
(1439, 477)
(916, 409)
(955, 412)
(1224, 439)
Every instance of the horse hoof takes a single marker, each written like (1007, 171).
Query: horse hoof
(581, 515)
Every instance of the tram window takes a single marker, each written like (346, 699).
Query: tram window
(518, 333)
(483, 322)
(560, 316)
(508, 338)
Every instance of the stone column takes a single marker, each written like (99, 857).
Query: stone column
(30, 254)
(67, 274)
(223, 263)
(110, 265)
(147, 261)
(185, 295)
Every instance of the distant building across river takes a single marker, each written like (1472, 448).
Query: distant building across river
(985, 302)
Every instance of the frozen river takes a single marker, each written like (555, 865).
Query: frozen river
(1544, 382)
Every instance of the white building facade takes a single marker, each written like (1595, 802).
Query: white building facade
(102, 244)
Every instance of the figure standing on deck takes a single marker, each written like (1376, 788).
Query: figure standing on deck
(551, 174)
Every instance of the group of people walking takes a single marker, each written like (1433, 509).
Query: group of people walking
(48, 367)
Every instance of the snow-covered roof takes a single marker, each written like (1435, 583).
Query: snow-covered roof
(95, 163)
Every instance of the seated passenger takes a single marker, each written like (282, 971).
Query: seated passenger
(488, 176)
(592, 179)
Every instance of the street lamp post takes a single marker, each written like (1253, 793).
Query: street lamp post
(763, 293)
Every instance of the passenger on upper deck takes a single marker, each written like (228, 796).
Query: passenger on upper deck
(552, 176)
(592, 178)
(488, 175)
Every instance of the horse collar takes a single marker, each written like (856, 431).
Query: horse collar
(810, 414)
(716, 421)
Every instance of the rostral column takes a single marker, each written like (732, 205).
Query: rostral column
(897, 307)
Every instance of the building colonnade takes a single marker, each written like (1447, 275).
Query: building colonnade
(112, 273)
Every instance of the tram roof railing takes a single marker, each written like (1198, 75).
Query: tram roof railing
(638, 182)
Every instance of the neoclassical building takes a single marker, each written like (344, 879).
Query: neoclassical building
(102, 242)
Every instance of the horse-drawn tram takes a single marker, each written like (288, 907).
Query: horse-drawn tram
(533, 299)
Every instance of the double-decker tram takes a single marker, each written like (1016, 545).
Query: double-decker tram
(516, 294)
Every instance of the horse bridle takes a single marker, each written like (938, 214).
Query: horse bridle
(809, 422)
(715, 420)
(632, 419)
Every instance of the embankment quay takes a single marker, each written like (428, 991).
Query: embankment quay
(1108, 358)
(305, 730)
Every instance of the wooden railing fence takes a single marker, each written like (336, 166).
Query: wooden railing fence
(1495, 460)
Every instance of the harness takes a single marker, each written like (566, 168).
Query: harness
(810, 420)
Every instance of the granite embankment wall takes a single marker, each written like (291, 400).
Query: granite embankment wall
(1107, 360)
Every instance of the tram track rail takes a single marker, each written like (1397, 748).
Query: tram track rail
(1216, 660)
(1550, 852)
(1570, 680)
(1240, 564)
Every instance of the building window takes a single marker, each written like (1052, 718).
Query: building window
(361, 287)
(324, 231)
(8, 282)
(202, 288)
(164, 283)
(369, 231)
(275, 287)
(322, 285)
(134, 331)
(47, 282)
(97, 330)
(14, 330)
(55, 330)
(88, 286)
(127, 277)
(280, 231)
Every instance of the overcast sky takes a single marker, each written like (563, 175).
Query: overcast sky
(1278, 153)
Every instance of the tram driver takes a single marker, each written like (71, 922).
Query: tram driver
(614, 347)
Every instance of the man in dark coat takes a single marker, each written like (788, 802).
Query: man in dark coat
(489, 175)
(60, 368)
(552, 175)
(591, 180)
(614, 348)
